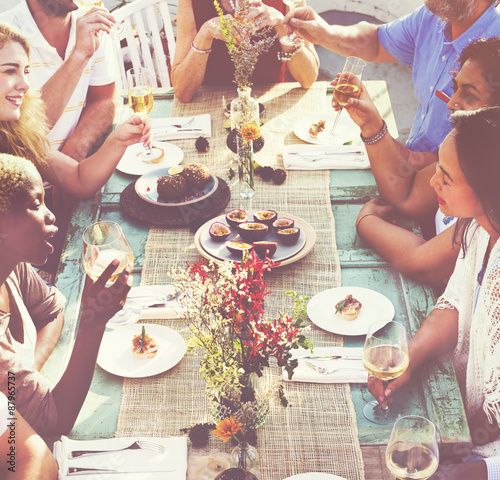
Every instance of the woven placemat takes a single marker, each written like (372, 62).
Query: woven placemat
(192, 215)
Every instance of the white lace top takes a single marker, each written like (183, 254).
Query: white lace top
(477, 354)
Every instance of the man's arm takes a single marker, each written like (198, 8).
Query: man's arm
(360, 40)
(95, 121)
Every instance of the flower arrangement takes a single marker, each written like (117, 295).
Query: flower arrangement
(225, 308)
(243, 43)
(250, 132)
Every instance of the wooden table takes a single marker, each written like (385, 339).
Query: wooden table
(435, 395)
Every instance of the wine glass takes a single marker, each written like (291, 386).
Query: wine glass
(348, 85)
(412, 451)
(385, 356)
(291, 40)
(140, 98)
(87, 5)
(102, 243)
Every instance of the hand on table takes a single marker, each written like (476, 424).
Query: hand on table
(382, 390)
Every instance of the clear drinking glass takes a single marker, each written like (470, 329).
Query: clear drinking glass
(412, 451)
(385, 356)
(87, 5)
(291, 40)
(348, 85)
(102, 243)
(140, 98)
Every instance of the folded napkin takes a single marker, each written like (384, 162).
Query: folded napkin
(352, 371)
(325, 157)
(175, 455)
(139, 298)
(191, 127)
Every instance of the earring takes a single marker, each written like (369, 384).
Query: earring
(456, 104)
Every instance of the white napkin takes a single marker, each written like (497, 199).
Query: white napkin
(163, 128)
(175, 455)
(139, 298)
(354, 372)
(324, 157)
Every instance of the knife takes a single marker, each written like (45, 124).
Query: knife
(320, 154)
(333, 357)
(131, 469)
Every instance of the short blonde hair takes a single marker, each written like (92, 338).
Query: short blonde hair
(27, 136)
(16, 176)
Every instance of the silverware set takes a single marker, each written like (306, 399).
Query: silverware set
(137, 445)
(358, 155)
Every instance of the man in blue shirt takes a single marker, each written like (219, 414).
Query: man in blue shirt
(429, 39)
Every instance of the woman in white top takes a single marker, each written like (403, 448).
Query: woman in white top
(466, 318)
(407, 191)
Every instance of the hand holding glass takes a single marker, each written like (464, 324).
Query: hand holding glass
(412, 451)
(102, 243)
(291, 40)
(348, 85)
(385, 356)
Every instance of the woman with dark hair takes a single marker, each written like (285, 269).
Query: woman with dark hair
(405, 190)
(466, 318)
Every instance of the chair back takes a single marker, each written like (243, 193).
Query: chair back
(145, 38)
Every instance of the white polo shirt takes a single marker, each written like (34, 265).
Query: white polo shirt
(44, 61)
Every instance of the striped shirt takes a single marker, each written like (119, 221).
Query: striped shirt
(45, 61)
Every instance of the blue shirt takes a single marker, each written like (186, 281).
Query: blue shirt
(420, 39)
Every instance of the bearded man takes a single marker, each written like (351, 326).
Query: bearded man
(73, 64)
(429, 39)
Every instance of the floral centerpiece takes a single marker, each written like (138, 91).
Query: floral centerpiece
(228, 323)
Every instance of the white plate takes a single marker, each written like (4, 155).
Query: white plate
(346, 130)
(375, 307)
(115, 355)
(145, 187)
(218, 249)
(131, 164)
(315, 476)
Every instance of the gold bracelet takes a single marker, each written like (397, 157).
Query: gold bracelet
(361, 218)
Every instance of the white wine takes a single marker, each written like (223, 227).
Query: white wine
(412, 462)
(344, 91)
(385, 361)
(87, 5)
(291, 4)
(95, 266)
(141, 100)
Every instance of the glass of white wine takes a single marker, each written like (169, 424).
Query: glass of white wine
(102, 243)
(87, 5)
(385, 356)
(291, 40)
(348, 85)
(140, 98)
(412, 451)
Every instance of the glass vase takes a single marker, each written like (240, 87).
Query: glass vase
(245, 456)
(245, 167)
(244, 109)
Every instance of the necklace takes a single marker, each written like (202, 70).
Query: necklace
(447, 219)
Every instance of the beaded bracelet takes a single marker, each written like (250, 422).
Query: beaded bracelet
(197, 50)
(287, 56)
(378, 136)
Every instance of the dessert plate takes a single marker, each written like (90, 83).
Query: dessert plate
(115, 355)
(346, 131)
(286, 254)
(375, 307)
(145, 187)
(131, 164)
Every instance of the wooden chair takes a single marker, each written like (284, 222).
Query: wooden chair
(144, 37)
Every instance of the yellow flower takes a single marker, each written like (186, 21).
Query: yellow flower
(227, 428)
(250, 131)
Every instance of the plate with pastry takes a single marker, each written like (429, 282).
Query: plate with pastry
(162, 154)
(189, 184)
(316, 129)
(349, 310)
(140, 350)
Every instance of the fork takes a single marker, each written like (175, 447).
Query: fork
(324, 370)
(183, 125)
(137, 445)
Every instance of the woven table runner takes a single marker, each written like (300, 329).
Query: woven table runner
(318, 431)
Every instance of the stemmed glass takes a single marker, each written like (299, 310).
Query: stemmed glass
(87, 5)
(140, 98)
(412, 451)
(385, 356)
(348, 85)
(102, 243)
(291, 40)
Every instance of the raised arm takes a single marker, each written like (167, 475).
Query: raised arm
(87, 177)
(360, 40)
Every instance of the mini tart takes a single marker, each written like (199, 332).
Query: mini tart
(348, 308)
(144, 346)
(155, 156)
(317, 128)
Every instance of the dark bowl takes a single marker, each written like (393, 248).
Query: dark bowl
(258, 144)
